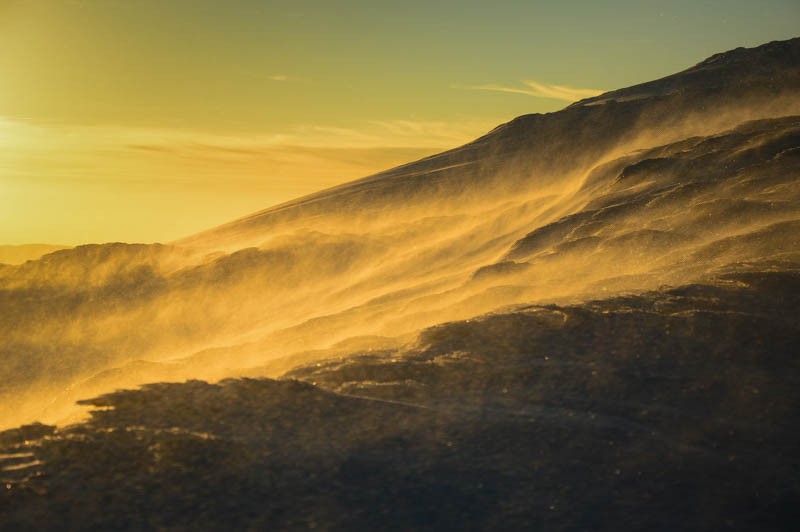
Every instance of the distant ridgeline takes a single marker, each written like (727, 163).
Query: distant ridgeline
(25, 252)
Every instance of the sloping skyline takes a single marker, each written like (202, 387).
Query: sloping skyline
(147, 121)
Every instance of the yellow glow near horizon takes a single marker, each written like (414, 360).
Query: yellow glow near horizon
(72, 185)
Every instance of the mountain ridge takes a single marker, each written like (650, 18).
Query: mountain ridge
(552, 136)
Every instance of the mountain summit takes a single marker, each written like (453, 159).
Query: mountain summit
(769, 70)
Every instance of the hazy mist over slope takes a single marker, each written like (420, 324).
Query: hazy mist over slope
(661, 183)
(688, 181)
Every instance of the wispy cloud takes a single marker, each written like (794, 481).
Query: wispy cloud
(57, 181)
(312, 155)
(539, 90)
(277, 77)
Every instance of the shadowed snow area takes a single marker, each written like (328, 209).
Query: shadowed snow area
(673, 409)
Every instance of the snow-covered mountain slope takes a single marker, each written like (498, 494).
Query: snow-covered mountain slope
(670, 182)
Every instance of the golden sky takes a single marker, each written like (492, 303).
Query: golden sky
(147, 120)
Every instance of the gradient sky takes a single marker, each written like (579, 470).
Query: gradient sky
(147, 120)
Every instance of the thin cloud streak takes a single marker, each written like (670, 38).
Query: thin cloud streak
(70, 183)
(311, 156)
(539, 90)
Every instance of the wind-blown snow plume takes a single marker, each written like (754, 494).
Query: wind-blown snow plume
(664, 183)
